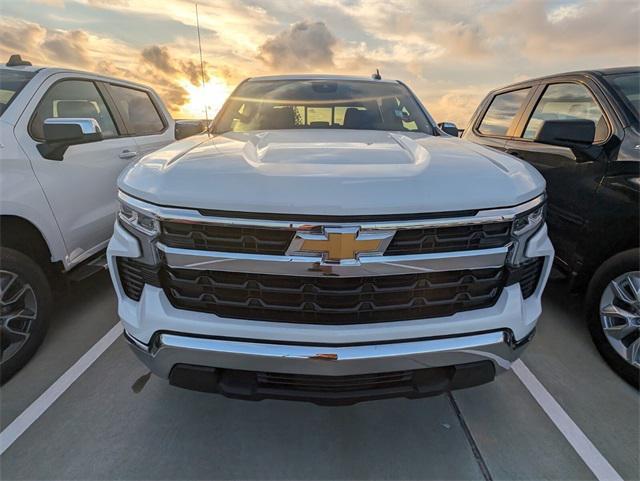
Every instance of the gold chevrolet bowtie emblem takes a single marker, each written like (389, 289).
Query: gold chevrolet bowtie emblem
(340, 246)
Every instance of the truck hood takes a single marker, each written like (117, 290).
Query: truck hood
(332, 172)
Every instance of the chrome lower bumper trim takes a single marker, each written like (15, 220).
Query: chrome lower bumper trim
(168, 350)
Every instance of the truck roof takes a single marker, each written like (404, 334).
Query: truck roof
(55, 70)
(320, 77)
(587, 73)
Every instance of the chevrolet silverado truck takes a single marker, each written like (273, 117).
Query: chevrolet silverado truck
(327, 242)
(65, 136)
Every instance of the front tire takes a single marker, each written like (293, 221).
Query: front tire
(613, 313)
(25, 303)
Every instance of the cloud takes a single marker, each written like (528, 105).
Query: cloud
(194, 71)
(68, 46)
(593, 29)
(456, 106)
(160, 58)
(304, 45)
(463, 40)
(102, 3)
(563, 12)
(20, 36)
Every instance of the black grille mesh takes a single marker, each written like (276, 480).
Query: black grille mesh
(530, 276)
(332, 300)
(134, 275)
(333, 384)
(444, 239)
(245, 240)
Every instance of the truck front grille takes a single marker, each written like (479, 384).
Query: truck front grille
(332, 300)
(270, 241)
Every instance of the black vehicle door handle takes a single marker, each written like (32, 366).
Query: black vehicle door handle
(514, 153)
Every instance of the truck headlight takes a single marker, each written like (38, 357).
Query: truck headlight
(529, 221)
(525, 225)
(140, 220)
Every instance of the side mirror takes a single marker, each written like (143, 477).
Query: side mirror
(449, 128)
(187, 128)
(60, 133)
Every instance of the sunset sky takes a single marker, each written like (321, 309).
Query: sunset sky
(451, 52)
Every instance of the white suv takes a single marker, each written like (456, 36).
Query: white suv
(65, 136)
(329, 243)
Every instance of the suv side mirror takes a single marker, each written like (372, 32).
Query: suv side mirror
(60, 133)
(449, 128)
(187, 128)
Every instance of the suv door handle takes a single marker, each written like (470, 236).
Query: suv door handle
(514, 153)
(128, 154)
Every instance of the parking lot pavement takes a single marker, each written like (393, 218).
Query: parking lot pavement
(103, 428)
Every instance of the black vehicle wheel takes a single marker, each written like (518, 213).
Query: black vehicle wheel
(613, 313)
(25, 302)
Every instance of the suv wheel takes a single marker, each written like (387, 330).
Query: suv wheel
(25, 301)
(613, 303)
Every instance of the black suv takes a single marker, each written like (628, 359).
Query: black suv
(581, 131)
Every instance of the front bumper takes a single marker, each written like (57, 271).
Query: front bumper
(329, 374)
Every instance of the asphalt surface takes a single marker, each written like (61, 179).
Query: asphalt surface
(113, 423)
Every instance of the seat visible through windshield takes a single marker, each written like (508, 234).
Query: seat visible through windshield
(322, 104)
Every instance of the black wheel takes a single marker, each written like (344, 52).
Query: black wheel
(25, 302)
(613, 313)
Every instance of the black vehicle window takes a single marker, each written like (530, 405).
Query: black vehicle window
(73, 99)
(628, 86)
(138, 110)
(567, 101)
(11, 83)
(502, 111)
(322, 104)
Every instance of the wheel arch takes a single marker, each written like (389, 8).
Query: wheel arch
(595, 258)
(23, 235)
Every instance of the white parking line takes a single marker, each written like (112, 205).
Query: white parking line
(37, 408)
(594, 460)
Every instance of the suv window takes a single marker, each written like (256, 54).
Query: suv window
(73, 99)
(567, 101)
(138, 110)
(11, 83)
(501, 112)
(628, 85)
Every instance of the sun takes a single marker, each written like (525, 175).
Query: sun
(212, 95)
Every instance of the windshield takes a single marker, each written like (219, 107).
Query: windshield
(628, 86)
(11, 83)
(321, 104)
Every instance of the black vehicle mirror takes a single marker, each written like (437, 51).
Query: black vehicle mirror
(60, 133)
(449, 128)
(187, 128)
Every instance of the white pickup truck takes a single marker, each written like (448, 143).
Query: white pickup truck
(65, 136)
(328, 242)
